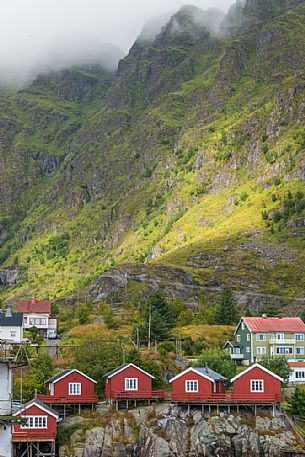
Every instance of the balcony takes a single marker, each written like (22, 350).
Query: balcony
(138, 395)
(51, 399)
(283, 342)
(33, 435)
(257, 397)
(237, 356)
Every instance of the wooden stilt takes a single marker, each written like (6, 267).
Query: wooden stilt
(188, 409)
(202, 410)
(217, 408)
(237, 408)
(64, 411)
(127, 404)
(79, 409)
(209, 409)
(229, 409)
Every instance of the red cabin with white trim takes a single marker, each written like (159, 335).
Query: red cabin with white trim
(198, 383)
(70, 386)
(130, 381)
(40, 423)
(257, 383)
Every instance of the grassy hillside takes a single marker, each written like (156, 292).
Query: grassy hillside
(191, 156)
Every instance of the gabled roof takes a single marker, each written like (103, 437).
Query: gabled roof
(274, 324)
(123, 367)
(15, 320)
(257, 365)
(296, 364)
(65, 373)
(234, 344)
(34, 306)
(39, 405)
(205, 372)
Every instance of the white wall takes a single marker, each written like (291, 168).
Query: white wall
(292, 377)
(5, 408)
(28, 316)
(5, 334)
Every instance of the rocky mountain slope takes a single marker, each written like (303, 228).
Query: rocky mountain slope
(191, 156)
(164, 431)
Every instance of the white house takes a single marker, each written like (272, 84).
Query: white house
(297, 375)
(37, 313)
(11, 326)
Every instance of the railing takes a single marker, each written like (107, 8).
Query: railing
(68, 399)
(253, 398)
(288, 341)
(134, 395)
(237, 356)
(34, 434)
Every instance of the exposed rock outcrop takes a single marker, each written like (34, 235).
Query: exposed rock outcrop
(8, 276)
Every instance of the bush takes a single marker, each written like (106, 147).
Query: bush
(218, 360)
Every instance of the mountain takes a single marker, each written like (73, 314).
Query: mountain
(186, 166)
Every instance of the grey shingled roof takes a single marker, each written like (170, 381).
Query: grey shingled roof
(235, 344)
(210, 373)
(38, 402)
(110, 373)
(58, 376)
(14, 321)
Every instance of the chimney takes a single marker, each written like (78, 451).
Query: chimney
(264, 316)
(206, 367)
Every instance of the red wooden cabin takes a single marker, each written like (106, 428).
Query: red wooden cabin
(130, 381)
(257, 384)
(39, 426)
(70, 386)
(198, 384)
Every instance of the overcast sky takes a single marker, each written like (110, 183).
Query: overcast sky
(56, 32)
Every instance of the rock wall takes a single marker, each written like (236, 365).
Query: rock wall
(163, 431)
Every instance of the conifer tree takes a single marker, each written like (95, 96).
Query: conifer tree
(227, 313)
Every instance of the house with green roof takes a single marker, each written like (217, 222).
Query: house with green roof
(257, 337)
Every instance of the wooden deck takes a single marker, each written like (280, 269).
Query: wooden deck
(75, 399)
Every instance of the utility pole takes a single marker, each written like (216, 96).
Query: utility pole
(149, 325)
(138, 339)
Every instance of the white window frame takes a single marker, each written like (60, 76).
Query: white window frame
(299, 336)
(191, 386)
(131, 384)
(13, 334)
(299, 374)
(299, 348)
(261, 350)
(243, 326)
(72, 388)
(51, 389)
(237, 351)
(280, 336)
(263, 335)
(33, 422)
(248, 349)
(238, 338)
(253, 385)
(248, 337)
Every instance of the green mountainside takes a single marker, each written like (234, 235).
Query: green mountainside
(185, 168)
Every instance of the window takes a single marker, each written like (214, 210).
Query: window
(13, 334)
(238, 338)
(35, 422)
(300, 351)
(257, 385)
(131, 383)
(284, 350)
(261, 337)
(299, 337)
(243, 326)
(191, 386)
(74, 388)
(280, 336)
(31, 321)
(300, 374)
(237, 350)
(52, 389)
(248, 349)
(248, 337)
(261, 350)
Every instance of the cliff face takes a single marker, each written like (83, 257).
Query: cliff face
(190, 156)
(167, 432)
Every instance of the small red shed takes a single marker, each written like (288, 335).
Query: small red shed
(40, 423)
(130, 381)
(70, 386)
(197, 383)
(257, 383)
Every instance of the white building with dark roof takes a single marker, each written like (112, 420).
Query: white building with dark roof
(11, 326)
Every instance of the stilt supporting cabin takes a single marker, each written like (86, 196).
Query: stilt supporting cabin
(34, 449)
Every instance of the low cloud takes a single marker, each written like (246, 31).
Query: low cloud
(41, 35)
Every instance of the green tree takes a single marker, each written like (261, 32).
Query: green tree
(297, 402)
(160, 315)
(107, 314)
(302, 315)
(41, 370)
(83, 314)
(277, 365)
(227, 313)
(218, 360)
(95, 358)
